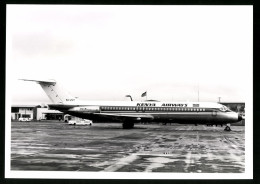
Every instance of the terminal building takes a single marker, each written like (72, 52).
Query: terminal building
(35, 112)
(18, 111)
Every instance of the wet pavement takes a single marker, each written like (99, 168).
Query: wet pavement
(56, 146)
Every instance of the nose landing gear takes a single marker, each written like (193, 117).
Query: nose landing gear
(227, 128)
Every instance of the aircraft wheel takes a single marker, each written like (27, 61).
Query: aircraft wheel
(227, 129)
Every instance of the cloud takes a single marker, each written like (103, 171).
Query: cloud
(40, 44)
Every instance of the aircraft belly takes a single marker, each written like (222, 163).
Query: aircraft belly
(199, 117)
(182, 117)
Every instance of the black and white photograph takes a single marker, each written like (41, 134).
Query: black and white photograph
(129, 92)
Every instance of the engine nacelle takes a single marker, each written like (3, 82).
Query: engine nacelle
(85, 109)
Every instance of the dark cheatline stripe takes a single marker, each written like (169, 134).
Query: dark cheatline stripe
(118, 109)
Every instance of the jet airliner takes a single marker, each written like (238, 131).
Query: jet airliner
(133, 111)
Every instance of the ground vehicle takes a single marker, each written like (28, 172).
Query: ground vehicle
(67, 117)
(71, 120)
(25, 117)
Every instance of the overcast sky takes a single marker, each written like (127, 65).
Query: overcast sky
(107, 52)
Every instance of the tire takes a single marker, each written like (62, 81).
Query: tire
(227, 129)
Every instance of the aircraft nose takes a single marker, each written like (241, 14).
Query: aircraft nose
(240, 117)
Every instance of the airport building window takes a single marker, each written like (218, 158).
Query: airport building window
(14, 109)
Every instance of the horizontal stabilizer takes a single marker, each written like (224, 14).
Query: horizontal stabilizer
(54, 91)
(41, 81)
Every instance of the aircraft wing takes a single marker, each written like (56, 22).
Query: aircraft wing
(124, 117)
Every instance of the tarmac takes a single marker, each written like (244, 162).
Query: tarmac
(106, 147)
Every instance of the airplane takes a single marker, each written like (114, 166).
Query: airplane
(131, 112)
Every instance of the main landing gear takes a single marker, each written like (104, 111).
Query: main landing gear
(128, 125)
(227, 128)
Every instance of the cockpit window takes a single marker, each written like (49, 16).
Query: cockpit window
(224, 109)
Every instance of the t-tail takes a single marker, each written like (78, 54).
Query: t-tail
(54, 91)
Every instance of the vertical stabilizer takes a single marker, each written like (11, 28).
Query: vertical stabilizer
(54, 91)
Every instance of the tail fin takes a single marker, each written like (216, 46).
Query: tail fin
(55, 93)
